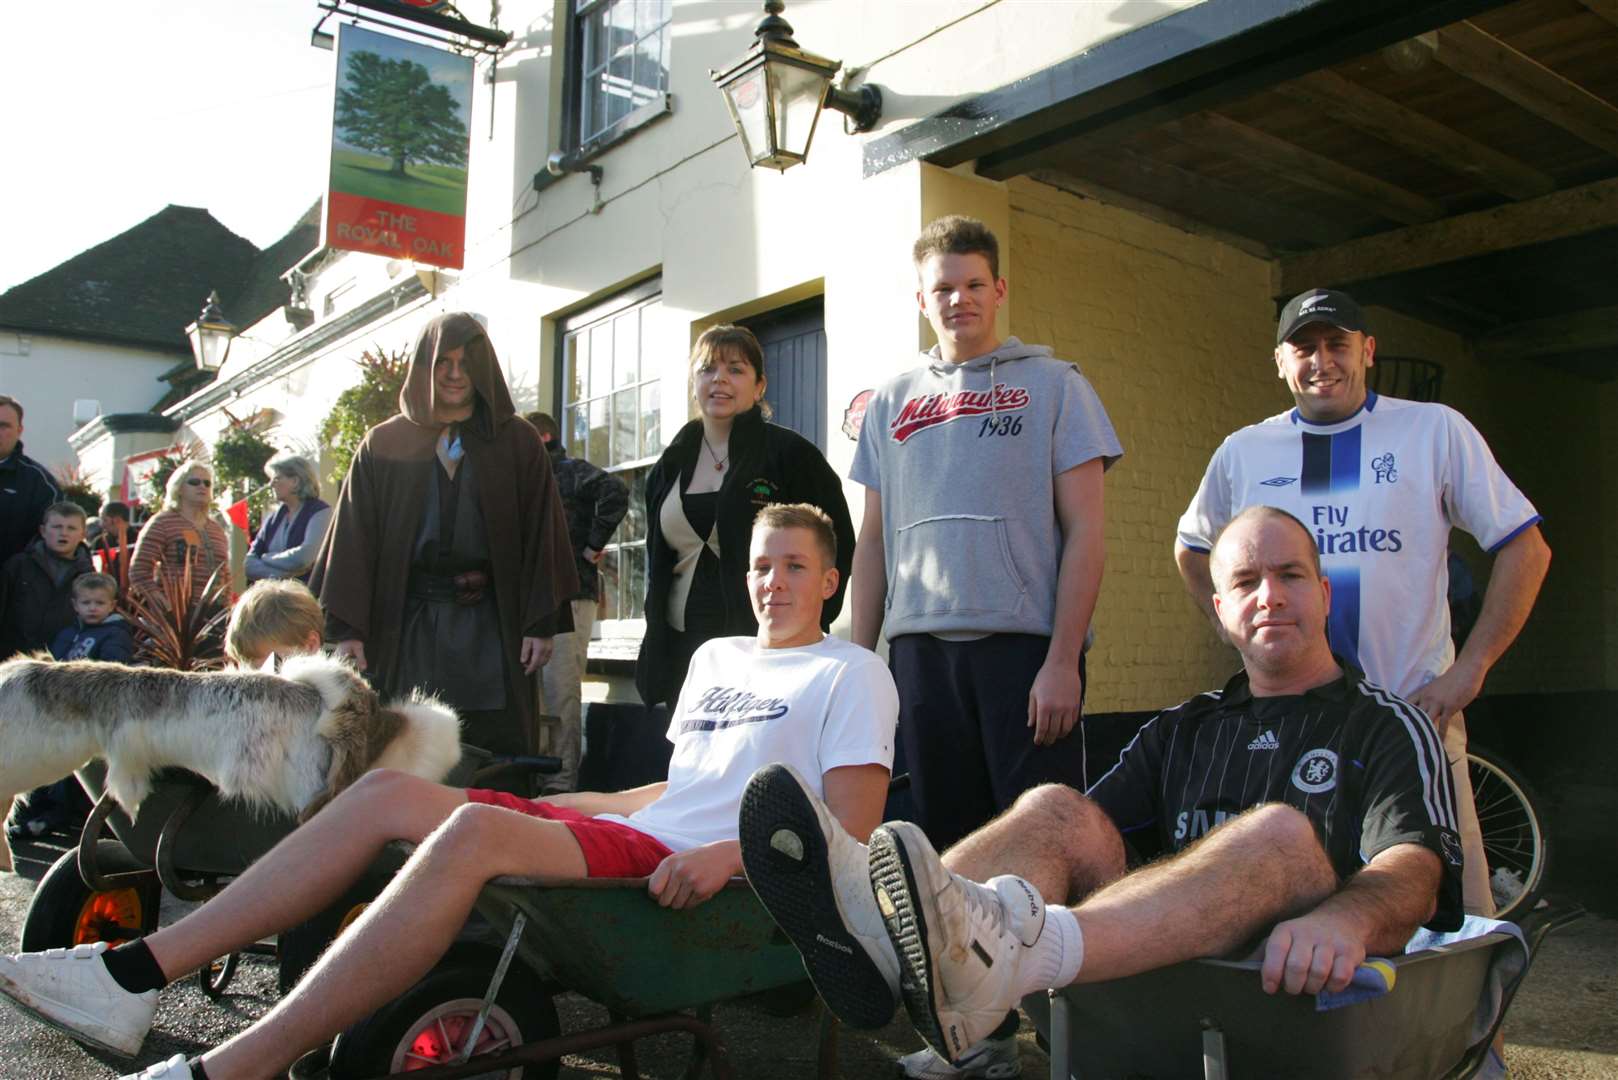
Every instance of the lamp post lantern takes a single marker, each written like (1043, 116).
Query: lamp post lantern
(211, 335)
(775, 92)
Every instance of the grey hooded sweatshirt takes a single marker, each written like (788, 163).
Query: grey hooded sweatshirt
(965, 458)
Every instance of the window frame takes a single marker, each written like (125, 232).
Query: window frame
(611, 639)
(576, 147)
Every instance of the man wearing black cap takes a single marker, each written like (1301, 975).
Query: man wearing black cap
(1380, 482)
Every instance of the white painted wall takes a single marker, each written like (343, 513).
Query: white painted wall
(48, 373)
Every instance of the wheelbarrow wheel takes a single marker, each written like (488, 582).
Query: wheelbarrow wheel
(65, 911)
(430, 1023)
(214, 978)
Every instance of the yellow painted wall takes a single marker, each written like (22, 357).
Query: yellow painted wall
(1175, 332)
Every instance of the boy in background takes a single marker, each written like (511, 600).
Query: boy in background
(99, 633)
(36, 584)
(277, 616)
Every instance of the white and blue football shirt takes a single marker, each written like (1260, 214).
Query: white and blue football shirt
(1380, 491)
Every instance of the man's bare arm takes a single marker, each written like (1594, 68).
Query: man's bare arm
(1053, 701)
(856, 794)
(1375, 912)
(622, 803)
(1519, 570)
(869, 589)
(1198, 578)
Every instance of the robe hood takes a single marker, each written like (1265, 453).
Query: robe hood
(449, 331)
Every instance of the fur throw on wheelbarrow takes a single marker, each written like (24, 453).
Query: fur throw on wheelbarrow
(288, 741)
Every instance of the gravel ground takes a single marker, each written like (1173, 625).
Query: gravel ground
(1563, 1026)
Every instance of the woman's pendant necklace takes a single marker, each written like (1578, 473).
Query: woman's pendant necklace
(719, 463)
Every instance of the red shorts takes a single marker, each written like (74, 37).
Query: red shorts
(611, 849)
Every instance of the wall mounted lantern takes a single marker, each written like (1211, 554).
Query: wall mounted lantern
(211, 335)
(775, 92)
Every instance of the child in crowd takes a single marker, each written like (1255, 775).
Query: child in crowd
(100, 632)
(36, 605)
(278, 617)
(36, 584)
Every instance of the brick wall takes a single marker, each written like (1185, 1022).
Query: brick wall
(1176, 332)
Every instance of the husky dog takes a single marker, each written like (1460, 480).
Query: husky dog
(290, 741)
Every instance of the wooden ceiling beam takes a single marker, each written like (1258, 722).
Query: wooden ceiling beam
(1607, 9)
(1252, 146)
(1347, 102)
(1198, 197)
(1475, 54)
(1578, 331)
(1571, 212)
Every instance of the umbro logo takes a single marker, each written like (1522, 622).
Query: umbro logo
(1266, 741)
(1279, 481)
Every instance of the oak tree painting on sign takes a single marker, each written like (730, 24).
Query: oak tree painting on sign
(400, 136)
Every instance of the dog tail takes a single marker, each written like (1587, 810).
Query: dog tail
(428, 740)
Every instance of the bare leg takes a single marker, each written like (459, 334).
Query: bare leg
(322, 857)
(401, 935)
(1256, 869)
(1052, 837)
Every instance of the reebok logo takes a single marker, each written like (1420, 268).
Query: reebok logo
(830, 944)
(930, 410)
(1266, 741)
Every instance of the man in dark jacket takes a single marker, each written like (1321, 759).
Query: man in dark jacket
(595, 502)
(26, 487)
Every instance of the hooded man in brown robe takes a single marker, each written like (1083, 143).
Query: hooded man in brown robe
(447, 567)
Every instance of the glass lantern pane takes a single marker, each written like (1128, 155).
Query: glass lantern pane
(745, 97)
(798, 95)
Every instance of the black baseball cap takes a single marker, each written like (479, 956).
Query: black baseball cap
(1319, 305)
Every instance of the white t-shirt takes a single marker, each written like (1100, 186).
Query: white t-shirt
(1380, 491)
(815, 707)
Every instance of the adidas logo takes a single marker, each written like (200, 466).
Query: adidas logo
(1266, 741)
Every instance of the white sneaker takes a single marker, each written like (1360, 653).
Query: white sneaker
(71, 990)
(959, 943)
(175, 1068)
(813, 879)
(991, 1059)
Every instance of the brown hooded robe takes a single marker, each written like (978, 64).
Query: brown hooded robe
(364, 563)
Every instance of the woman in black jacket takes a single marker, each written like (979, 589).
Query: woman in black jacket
(701, 497)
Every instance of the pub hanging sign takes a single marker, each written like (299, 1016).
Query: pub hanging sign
(401, 133)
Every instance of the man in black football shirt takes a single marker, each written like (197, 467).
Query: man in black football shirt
(1300, 799)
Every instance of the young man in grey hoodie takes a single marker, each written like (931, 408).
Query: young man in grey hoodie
(981, 548)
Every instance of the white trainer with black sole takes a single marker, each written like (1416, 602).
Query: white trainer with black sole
(991, 1059)
(960, 944)
(812, 877)
(72, 991)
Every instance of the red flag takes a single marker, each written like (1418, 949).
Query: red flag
(237, 513)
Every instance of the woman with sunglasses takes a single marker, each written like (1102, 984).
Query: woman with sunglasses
(184, 531)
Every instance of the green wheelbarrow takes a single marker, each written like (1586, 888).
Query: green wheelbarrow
(487, 1010)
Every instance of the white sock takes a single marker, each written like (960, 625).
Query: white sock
(1054, 959)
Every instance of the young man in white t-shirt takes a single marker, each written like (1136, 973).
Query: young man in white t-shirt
(792, 695)
(1380, 482)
